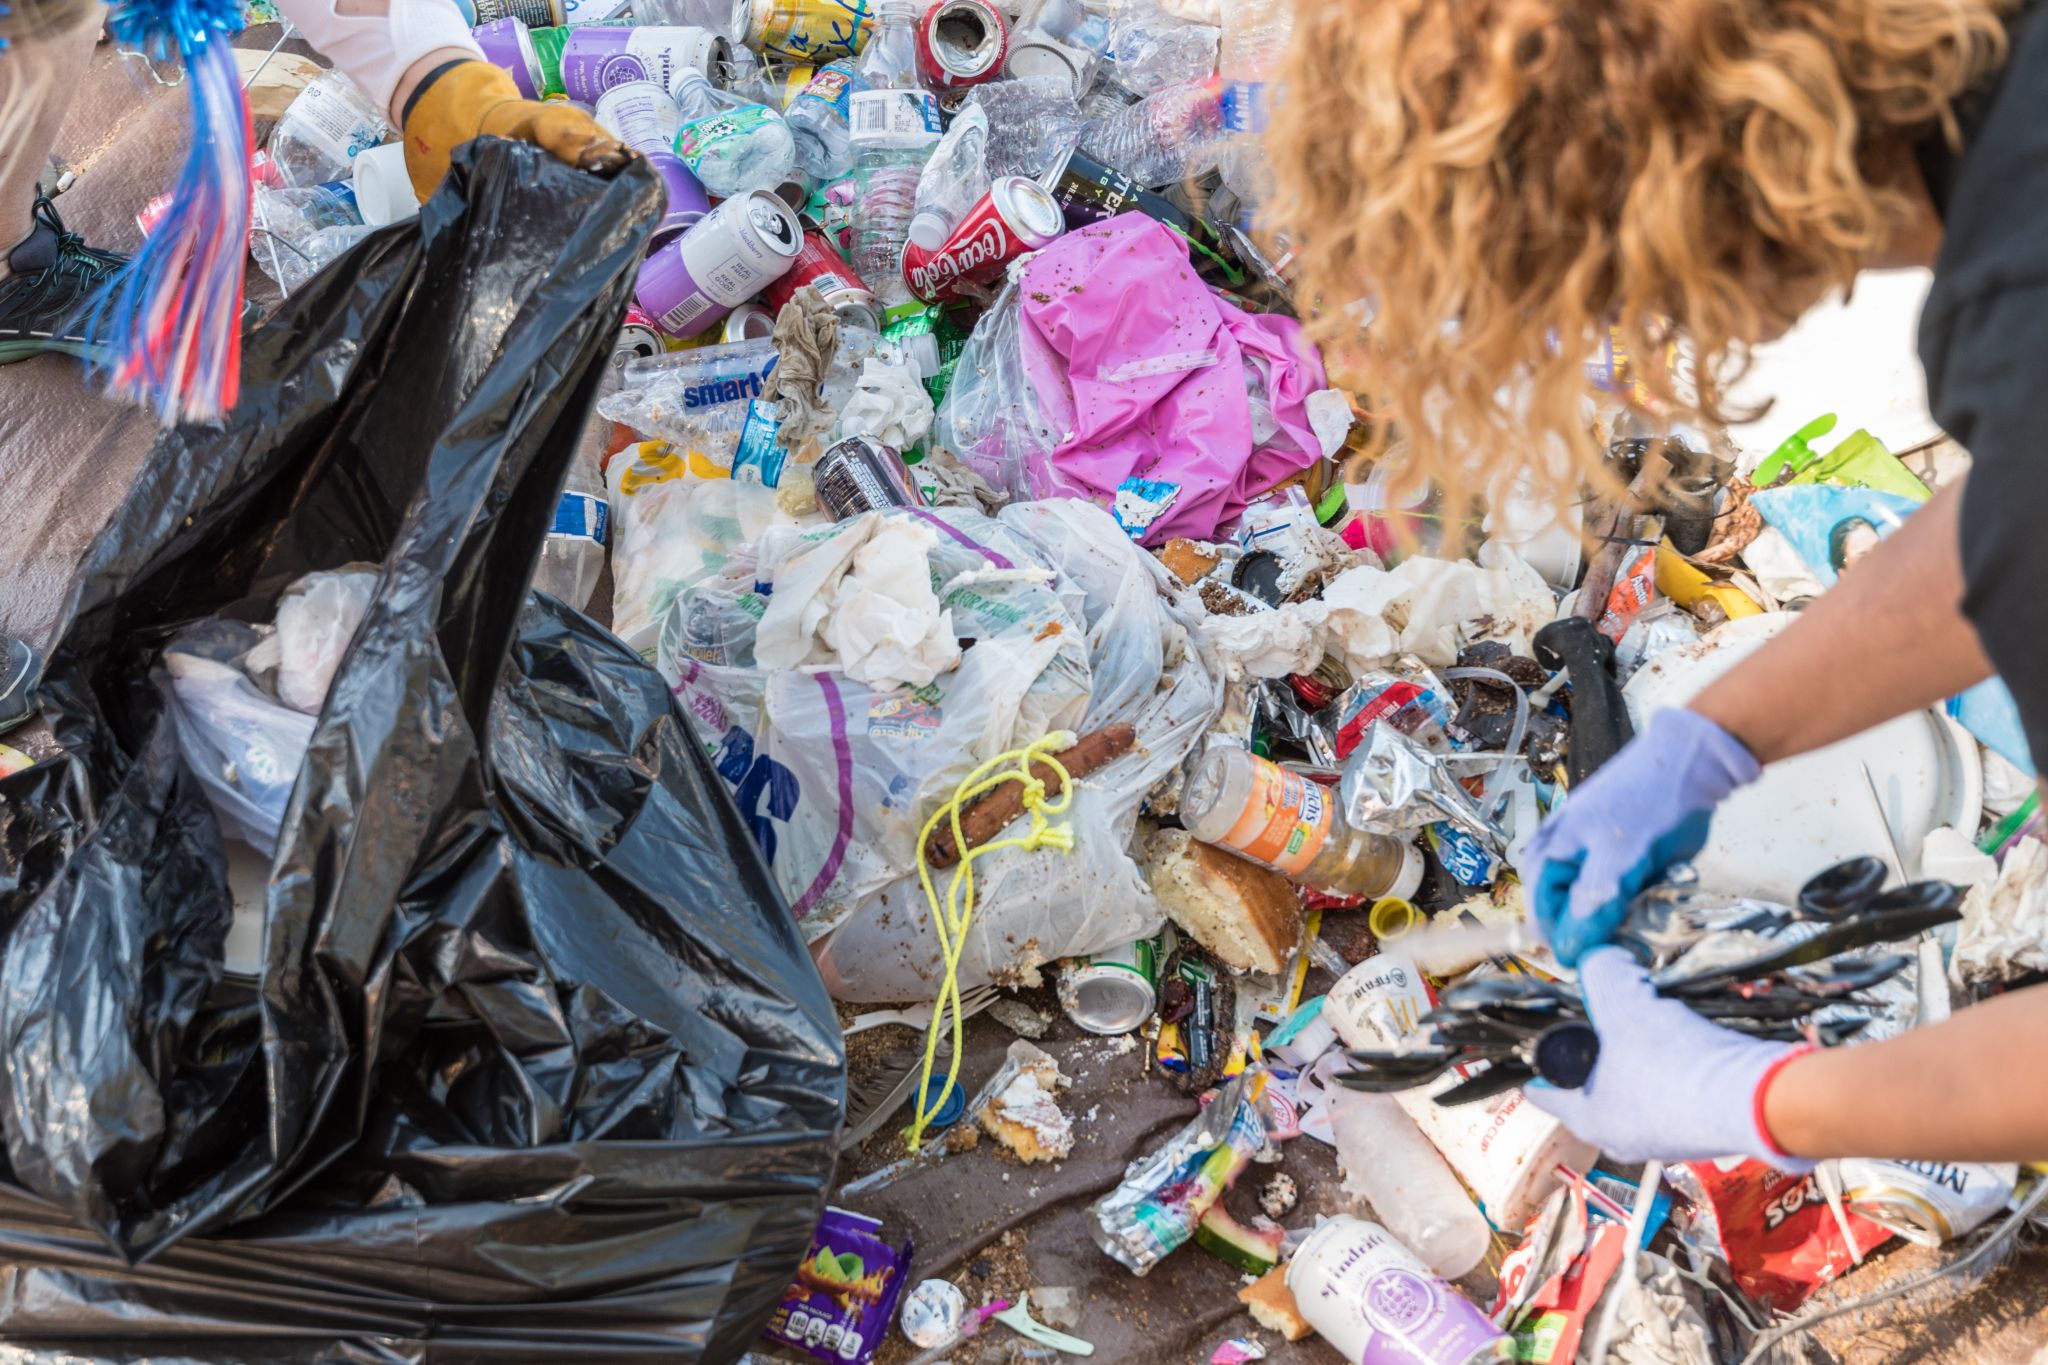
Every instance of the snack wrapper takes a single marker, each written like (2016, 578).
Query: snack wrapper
(843, 1299)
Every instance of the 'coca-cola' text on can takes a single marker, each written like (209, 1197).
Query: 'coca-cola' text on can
(961, 42)
(1014, 217)
(821, 266)
(725, 258)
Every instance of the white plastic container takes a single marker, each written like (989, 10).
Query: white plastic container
(1389, 1163)
(1505, 1148)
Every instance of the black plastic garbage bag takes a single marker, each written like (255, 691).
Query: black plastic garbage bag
(537, 1065)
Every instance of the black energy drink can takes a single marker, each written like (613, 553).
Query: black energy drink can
(1088, 192)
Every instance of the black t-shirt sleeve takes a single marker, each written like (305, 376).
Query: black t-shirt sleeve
(1984, 343)
(1994, 387)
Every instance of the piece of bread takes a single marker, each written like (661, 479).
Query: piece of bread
(1248, 916)
(1189, 560)
(1018, 1108)
(1273, 1307)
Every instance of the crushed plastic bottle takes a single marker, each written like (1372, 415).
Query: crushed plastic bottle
(1255, 35)
(1153, 49)
(572, 556)
(1157, 140)
(1389, 1164)
(731, 144)
(1031, 124)
(953, 181)
(895, 127)
(294, 233)
(321, 132)
(820, 119)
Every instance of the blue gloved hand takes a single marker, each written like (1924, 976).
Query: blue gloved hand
(1669, 1085)
(1617, 832)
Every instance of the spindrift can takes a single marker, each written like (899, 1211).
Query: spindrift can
(860, 474)
(1014, 217)
(1088, 192)
(961, 42)
(1368, 1296)
(1114, 991)
(726, 258)
(825, 270)
(802, 30)
(643, 117)
(596, 59)
(508, 45)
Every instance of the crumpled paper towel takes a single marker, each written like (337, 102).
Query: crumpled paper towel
(888, 404)
(862, 602)
(2005, 923)
(1430, 608)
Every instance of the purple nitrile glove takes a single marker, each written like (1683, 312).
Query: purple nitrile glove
(1616, 833)
(1669, 1085)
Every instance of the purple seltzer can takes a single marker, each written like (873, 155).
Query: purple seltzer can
(728, 256)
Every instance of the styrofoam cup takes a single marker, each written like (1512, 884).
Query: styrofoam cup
(383, 189)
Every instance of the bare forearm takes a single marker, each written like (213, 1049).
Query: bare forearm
(1889, 638)
(1963, 1090)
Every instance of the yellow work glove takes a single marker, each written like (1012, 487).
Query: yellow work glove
(471, 99)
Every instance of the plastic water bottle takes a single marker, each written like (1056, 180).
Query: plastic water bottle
(296, 232)
(323, 129)
(820, 118)
(1389, 1163)
(731, 144)
(572, 557)
(1155, 140)
(953, 181)
(1255, 35)
(1153, 49)
(1032, 123)
(895, 126)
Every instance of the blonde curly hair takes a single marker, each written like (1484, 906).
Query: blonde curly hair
(1480, 194)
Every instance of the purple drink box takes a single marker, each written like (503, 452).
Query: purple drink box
(844, 1296)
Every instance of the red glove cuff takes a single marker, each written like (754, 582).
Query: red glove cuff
(1763, 1088)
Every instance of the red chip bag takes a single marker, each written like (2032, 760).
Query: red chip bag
(1775, 1230)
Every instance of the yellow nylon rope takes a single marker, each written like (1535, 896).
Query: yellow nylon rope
(952, 918)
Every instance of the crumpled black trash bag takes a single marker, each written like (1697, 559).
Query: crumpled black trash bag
(538, 1066)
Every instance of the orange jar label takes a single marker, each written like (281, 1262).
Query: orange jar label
(1285, 822)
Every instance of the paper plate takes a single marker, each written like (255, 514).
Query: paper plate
(1807, 812)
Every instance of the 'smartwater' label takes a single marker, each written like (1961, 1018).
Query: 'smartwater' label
(1286, 820)
(895, 118)
(760, 456)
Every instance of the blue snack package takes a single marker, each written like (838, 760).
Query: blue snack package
(843, 1299)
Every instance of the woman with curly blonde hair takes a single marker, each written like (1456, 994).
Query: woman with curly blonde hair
(1501, 182)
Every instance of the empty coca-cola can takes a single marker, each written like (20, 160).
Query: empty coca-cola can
(1016, 215)
(961, 42)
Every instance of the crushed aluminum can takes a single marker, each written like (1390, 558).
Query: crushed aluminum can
(1928, 1202)
(961, 43)
(1114, 991)
(860, 474)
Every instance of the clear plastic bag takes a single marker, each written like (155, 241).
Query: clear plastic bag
(316, 619)
(245, 748)
(991, 417)
(1072, 628)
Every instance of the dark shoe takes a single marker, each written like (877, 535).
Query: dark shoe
(21, 668)
(52, 272)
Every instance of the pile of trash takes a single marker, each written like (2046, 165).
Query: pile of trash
(964, 473)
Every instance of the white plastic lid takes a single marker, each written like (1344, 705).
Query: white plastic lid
(928, 230)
